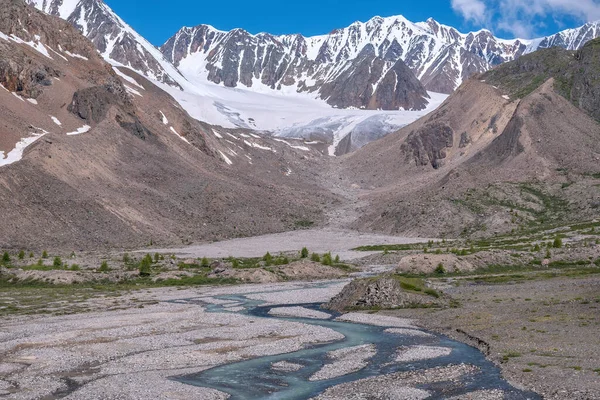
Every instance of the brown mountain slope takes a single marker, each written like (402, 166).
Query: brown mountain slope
(144, 171)
(482, 163)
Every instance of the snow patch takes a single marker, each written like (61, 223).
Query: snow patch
(16, 154)
(33, 101)
(177, 133)
(217, 134)
(83, 129)
(303, 148)
(165, 121)
(225, 158)
(76, 55)
(56, 121)
(36, 45)
(127, 78)
(132, 91)
(258, 146)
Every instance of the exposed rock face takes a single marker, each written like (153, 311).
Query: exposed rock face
(21, 73)
(115, 40)
(439, 56)
(92, 104)
(367, 65)
(361, 86)
(428, 144)
(575, 75)
(381, 292)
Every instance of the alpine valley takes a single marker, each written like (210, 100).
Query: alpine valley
(384, 64)
(391, 210)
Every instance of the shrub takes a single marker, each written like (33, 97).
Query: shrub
(548, 254)
(126, 258)
(156, 257)
(40, 262)
(337, 259)
(234, 262)
(5, 257)
(440, 270)
(304, 253)
(315, 257)
(44, 254)
(268, 259)
(327, 260)
(557, 244)
(282, 260)
(205, 262)
(146, 265)
(104, 267)
(31, 255)
(75, 267)
(21, 254)
(57, 263)
(536, 247)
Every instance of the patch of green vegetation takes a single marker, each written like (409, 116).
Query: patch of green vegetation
(304, 253)
(104, 267)
(510, 354)
(390, 247)
(196, 281)
(303, 224)
(145, 266)
(440, 270)
(415, 285)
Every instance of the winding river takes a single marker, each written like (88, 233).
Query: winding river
(257, 379)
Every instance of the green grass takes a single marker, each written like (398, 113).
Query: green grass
(391, 247)
(415, 285)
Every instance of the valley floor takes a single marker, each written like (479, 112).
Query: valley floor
(106, 343)
(337, 241)
(543, 333)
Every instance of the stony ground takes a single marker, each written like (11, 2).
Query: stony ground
(544, 333)
(114, 354)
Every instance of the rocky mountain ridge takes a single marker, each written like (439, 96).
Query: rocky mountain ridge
(366, 65)
(440, 56)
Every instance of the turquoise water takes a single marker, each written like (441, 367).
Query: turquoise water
(254, 379)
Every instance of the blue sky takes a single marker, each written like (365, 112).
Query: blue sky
(158, 20)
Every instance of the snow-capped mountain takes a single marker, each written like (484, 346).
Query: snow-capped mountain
(115, 40)
(440, 56)
(286, 84)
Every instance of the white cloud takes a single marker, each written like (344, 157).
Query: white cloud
(524, 18)
(471, 10)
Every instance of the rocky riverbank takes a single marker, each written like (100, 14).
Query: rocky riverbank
(542, 333)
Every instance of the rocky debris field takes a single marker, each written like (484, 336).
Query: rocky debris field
(541, 332)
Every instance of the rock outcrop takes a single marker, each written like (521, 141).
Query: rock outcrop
(382, 292)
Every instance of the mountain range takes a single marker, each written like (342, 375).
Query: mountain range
(384, 64)
(439, 56)
(95, 153)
